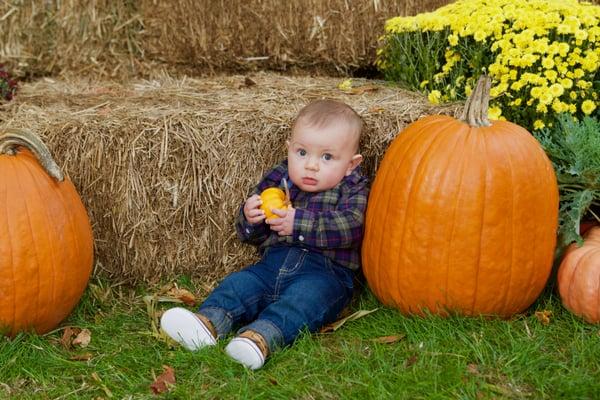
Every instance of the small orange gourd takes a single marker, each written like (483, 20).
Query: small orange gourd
(46, 244)
(462, 216)
(579, 277)
(272, 198)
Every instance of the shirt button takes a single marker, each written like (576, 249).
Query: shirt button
(301, 238)
(247, 230)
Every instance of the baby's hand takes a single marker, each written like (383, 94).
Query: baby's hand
(284, 225)
(252, 212)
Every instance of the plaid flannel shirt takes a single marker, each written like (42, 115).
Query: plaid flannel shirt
(328, 222)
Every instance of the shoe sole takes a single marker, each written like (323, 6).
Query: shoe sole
(186, 329)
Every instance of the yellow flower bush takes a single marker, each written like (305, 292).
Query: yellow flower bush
(543, 56)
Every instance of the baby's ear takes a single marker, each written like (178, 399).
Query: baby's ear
(354, 162)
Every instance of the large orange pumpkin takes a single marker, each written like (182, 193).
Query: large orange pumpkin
(579, 277)
(462, 216)
(46, 245)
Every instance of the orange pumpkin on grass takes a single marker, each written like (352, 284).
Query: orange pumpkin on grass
(579, 277)
(462, 216)
(46, 244)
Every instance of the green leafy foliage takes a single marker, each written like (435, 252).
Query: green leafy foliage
(574, 149)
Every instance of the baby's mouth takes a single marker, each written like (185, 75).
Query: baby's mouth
(309, 181)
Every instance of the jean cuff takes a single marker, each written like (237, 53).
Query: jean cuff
(269, 331)
(221, 320)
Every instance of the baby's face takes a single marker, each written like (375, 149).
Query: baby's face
(320, 157)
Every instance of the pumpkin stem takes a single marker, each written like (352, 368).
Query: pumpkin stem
(11, 138)
(476, 108)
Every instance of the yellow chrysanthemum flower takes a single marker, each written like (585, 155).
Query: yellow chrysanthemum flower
(548, 62)
(557, 90)
(479, 36)
(588, 106)
(468, 90)
(434, 97)
(566, 83)
(536, 92)
(345, 85)
(453, 39)
(494, 112)
(546, 97)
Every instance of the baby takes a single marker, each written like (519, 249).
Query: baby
(310, 251)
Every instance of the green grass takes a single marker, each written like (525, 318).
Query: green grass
(436, 359)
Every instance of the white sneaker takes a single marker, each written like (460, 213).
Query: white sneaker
(184, 327)
(246, 352)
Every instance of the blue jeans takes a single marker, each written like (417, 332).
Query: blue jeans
(288, 290)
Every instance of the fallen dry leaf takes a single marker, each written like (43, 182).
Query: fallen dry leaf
(67, 336)
(543, 316)
(166, 287)
(184, 295)
(410, 361)
(363, 89)
(389, 339)
(376, 110)
(164, 381)
(473, 369)
(171, 293)
(83, 338)
(337, 324)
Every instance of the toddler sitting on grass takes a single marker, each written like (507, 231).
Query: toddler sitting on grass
(310, 251)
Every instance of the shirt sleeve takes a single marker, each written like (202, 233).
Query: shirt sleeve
(340, 228)
(258, 233)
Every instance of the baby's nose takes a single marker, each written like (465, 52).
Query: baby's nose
(312, 164)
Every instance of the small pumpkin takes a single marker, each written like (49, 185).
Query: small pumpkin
(462, 216)
(46, 244)
(272, 198)
(579, 277)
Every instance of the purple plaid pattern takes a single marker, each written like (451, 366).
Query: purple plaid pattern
(329, 222)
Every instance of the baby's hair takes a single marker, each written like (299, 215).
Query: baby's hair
(321, 113)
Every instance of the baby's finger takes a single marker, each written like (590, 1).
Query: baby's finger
(279, 212)
(256, 219)
(254, 203)
(275, 227)
(255, 212)
(275, 221)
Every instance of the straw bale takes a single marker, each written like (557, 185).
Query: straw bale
(328, 36)
(41, 38)
(119, 39)
(163, 165)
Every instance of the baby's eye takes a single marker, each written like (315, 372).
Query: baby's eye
(301, 152)
(327, 156)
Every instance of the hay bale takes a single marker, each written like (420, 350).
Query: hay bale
(163, 165)
(116, 39)
(80, 37)
(328, 36)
